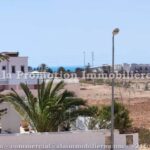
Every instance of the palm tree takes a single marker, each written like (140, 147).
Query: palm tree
(43, 67)
(2, 111)
(61, 70)
(52, 109)
(2, 58)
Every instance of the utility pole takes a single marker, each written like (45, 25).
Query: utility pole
(84, 59)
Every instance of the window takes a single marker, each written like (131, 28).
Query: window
(13, 69)
(22, 69)
(3, 67)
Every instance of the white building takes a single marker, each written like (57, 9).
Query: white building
(140, 68)
(118, 67)
(10, 69)
(126, 67)
(96, 69)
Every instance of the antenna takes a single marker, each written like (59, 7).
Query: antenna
(92, 59)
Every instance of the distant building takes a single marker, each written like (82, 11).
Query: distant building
(123, 68)
(126, 67)
(97, 69)
(106, 68)
(140, 68)
(118, 67)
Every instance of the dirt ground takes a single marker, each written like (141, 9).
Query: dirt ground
(136, 100)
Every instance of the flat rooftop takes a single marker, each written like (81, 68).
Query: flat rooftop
(11, 54)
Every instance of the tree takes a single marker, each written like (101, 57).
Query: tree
(93, 120)
(30, 69)
(49, 70)
(2, 58)
(79, 71)
(53, 108)
(61, 70)
(121, 114)
(88, 68)
(2, 111)
(102, 117)
(43, 68)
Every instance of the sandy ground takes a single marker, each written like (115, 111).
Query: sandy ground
(137, 101)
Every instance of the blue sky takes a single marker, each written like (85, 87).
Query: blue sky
(56, 32)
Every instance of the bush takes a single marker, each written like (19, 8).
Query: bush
(122, 121)
(144, 136)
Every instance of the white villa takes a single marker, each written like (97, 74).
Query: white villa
(11, 69)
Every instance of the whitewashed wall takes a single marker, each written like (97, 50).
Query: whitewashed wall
(89, 139)
(11, 121)
(17, 62)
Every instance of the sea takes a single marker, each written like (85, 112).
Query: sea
(71, 68)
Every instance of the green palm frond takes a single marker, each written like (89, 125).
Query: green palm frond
(52, 107)
(3, 57)
(57, 88)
